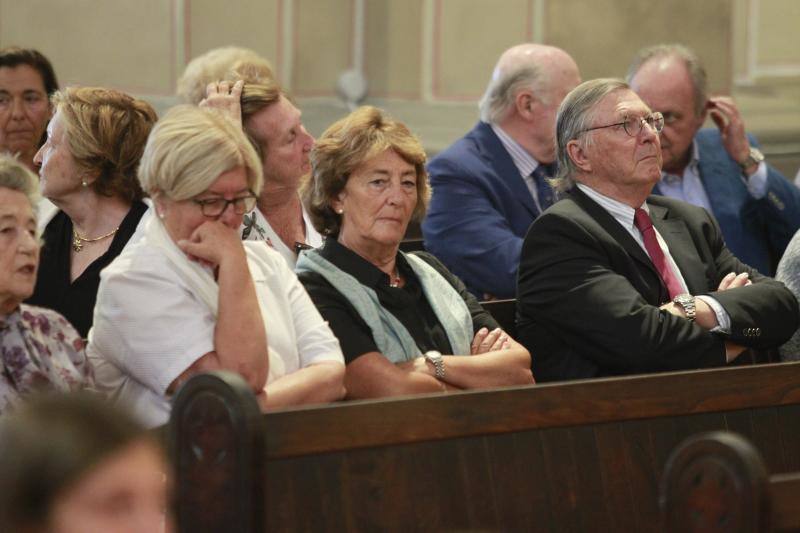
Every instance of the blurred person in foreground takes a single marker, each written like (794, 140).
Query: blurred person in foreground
(39, 349)
(406, 324)
(76, 464)
(190, 296)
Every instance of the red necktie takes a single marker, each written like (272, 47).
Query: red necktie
(642, 221)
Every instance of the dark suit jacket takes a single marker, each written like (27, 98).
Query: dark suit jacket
(756, 231)
(589, 296)
(479, 212)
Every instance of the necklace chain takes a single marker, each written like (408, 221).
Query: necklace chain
(394, 279)
(78, 239)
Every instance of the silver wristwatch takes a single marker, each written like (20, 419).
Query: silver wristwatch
(437, 361)
(687, 302)
(753, 158)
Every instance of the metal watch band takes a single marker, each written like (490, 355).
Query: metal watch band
(438, 363)
(687, 301)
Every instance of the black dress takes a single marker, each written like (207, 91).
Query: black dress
(408, 303)
(75, 300)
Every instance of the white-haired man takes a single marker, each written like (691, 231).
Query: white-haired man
(492, 183)
(615, 281)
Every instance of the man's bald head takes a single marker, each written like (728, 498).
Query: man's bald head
(533, 67)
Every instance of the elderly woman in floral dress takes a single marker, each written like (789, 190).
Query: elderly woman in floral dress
(39, 349)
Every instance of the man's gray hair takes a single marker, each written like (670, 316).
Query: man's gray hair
(697, 73)
(575, 115)
(502, 91)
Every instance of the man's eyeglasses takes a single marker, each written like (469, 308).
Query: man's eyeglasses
(214, 207)
(633, 125)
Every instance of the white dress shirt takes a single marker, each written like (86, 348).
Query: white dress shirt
(524, 162)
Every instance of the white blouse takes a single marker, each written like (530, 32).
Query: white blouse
(149, 327)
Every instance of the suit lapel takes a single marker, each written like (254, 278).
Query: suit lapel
(615, 229)
(681, 247)
(496, 156)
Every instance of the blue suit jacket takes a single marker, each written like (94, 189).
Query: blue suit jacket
(479, 212)
(756, 231)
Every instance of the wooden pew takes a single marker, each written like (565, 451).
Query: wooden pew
(412, 245)
(718, 481)
(505, 312)
(575, 456)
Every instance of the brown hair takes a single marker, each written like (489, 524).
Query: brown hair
(346, 144)
(258, 93)
(106, 131)
(13, 56)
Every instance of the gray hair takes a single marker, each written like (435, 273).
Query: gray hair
(215, 65)
(575, 115)
(499, 97)
(189, 148)
(697, 73)
(17, 177)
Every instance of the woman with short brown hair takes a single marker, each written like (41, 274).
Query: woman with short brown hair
(405, 323)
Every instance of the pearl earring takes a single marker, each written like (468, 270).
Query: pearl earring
(340, 211)
(84, 182)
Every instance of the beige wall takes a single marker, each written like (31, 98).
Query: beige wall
(603, 35)
(431, 50)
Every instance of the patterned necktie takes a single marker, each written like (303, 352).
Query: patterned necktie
(540, 176)
(642, 221)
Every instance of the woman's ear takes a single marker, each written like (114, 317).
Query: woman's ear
(337, 202)
(576, 150)
(160, 204)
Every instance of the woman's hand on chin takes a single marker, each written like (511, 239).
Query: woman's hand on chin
(211, 243)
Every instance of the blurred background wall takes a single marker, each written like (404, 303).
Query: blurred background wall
(427, 61)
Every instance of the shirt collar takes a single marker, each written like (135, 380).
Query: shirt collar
(346, 259)
(524, 162)
(693, 166)
(622, 213)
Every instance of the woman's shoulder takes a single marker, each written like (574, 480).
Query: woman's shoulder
(47, 321)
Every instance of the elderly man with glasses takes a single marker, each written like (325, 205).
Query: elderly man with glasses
(615, 281)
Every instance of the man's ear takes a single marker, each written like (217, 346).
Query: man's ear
(577, 153)
(523, 104)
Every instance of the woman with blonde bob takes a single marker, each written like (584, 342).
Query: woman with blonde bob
(395, 314)
(190, 296)
(88, 170)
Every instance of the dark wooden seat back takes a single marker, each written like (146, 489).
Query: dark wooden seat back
(574, 456)
(505, 312)
(412, 245)
(718, 481)
(715, 481)
(216, 443)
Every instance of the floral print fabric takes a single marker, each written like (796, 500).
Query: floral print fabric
(39, 350)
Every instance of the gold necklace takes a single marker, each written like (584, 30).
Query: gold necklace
(78, 239)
